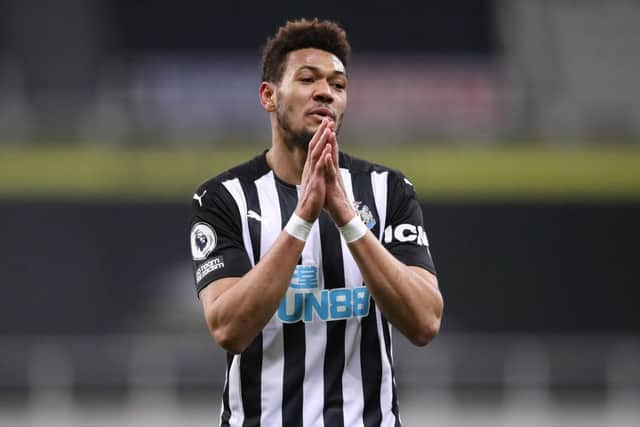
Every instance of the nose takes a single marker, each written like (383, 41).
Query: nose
(322, 92)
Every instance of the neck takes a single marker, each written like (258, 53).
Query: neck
(285, 159)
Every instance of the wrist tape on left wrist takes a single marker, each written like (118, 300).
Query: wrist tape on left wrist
(353, 230)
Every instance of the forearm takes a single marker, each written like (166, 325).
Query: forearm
(407, 296)
(242, 310)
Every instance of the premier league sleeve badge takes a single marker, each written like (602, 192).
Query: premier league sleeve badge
(203, 241)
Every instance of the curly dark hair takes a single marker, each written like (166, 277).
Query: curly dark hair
(301, 34)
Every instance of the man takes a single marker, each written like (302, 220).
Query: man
(303, 255)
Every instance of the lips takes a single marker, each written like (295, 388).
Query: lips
(323, 112)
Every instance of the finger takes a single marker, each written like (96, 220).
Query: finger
(323, 124)
(320, 164)
(317, 135)
(320, 146)
(334, 144)
(312, 157)
(330, 167)
(320, 136)
(326, 152)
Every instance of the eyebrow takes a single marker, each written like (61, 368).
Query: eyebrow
(317, 70)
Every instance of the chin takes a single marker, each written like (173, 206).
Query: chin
(300, 136)
(311, 125)
(311, 129)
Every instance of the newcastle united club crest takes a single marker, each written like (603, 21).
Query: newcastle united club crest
(365, 214)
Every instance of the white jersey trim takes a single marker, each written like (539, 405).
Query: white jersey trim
(235, 189)
(379, 183)
(235, 393)
(353, 395)
(272, 337)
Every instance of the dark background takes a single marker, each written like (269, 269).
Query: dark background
(440, 26)
(81, 267)
(99, 320)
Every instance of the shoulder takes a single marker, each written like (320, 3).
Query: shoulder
(213, 196)
(246, 172)
(357, 166)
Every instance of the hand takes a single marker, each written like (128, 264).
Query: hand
(336, 203)
(313, 194)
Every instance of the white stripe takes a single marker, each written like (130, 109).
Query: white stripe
(315, 343)
(352, 394)
(235, 394)
(379, 184)
(348, 185)
(272, 340)
(393, 364)
(386, 386)
(233, 186)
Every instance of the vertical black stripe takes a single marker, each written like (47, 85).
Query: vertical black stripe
(333, 271)
(292, 393)
(387, 345)
(293, 335)
(371, 364)
(251, 359)
(250, 379)
(370, 354)
(226, 413)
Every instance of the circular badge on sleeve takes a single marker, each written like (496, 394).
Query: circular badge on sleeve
(203, 240)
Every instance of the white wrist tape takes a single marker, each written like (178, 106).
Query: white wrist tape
(353, 230)
(298, 227)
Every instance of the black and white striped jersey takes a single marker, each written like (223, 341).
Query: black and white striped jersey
(325, 358)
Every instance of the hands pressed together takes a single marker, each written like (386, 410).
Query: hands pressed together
(322, 185)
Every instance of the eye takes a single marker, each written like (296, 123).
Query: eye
(340, 85)
(306, 79)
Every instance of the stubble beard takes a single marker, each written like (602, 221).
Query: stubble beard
(300, 138)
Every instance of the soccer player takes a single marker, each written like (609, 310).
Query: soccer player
(304, 255)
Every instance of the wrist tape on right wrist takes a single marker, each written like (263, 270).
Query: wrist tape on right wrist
(298, 227)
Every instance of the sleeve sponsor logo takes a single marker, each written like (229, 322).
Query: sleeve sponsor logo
(203, 240)
(406, 233)
(211, 265)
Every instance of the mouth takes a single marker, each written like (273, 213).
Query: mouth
(322, 112)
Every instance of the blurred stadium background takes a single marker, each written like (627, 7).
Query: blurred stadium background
(518, 122)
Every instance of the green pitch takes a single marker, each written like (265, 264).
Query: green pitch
(508, 173)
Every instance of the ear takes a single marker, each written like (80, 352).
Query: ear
(267, 94)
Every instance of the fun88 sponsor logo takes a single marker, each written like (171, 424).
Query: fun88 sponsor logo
(304, 301)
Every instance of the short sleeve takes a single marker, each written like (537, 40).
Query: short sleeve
(405, 236)
(215, 236)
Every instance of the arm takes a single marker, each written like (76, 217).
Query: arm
(408, 296)
(237, 309)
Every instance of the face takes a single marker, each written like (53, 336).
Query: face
(313, 86)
